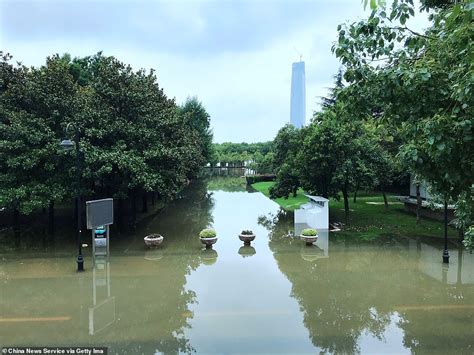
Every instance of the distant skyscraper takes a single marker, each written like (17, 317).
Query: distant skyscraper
(298, 95)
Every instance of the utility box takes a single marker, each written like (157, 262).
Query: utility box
(100, 240)
(100, 214)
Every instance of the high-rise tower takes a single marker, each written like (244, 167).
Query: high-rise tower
(298, 95)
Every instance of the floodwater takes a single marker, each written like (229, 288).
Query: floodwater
(342, 295)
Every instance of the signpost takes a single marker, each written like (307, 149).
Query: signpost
(100, 215)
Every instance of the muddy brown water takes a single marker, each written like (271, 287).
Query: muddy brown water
(391, 295)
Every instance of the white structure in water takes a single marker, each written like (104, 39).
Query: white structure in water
(298, 95)
(315, 213)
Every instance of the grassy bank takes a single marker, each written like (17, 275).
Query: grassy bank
(368, 218)
(290, 204)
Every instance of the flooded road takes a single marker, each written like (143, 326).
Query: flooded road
(391, 295)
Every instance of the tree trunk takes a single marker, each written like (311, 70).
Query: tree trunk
(75, 211)
(418, 202)
(144, 202)
(133, 202)
(16, 226)
(153, 198)
(51, 217)
(120, 214)
(346, 203)
(355, 196)
(385, 201)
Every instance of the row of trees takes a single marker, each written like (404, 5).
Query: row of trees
(403, 104)
(133, 138)
(255, 156)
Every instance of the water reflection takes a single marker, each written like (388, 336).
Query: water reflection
(392, 295)
(209, 256)
(102, 310)
(246, 251)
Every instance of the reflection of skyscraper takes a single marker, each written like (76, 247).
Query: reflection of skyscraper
(298, 95)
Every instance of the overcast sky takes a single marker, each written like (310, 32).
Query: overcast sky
(235, 56)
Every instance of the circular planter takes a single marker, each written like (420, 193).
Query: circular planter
(247, 251)
(309, 239)
(153, 240)
(208, 242)
(247, 238)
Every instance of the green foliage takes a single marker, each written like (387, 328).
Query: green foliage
(194, 112)
(309, 232)
(207, 233)
(421, 83)
(286, 146)
(246, 232)
(132, 137)
(469, 239)
(255, 156)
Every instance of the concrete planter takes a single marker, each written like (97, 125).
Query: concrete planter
(247, 238)
(208, 242)
(153, 240)
(309, 240)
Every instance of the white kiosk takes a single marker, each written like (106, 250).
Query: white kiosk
(315, 214)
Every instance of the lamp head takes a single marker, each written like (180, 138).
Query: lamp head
(66, 144)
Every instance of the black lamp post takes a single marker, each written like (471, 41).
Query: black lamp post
(445, 251)
(67, 144)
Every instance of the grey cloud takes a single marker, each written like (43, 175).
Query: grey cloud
(194, 28)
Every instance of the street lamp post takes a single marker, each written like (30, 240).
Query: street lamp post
(68, 145)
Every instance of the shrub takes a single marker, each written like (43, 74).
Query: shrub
(207, 233)
(247, 232)
(309, 232)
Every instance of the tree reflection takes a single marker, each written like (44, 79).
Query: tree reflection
(365, 286)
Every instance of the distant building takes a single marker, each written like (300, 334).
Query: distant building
(298, 95)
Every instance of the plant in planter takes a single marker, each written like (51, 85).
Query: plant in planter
(246, 236)
(208, 237)
(309, 235)
(153, 240)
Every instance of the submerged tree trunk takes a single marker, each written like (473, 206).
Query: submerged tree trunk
(133, 201)
(385, 200)
(120, 214)
(51, 217)
(144, 202)
(418, 202)
(16, 226)
(346, 203)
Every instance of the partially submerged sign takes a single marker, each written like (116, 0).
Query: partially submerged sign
(100, 212)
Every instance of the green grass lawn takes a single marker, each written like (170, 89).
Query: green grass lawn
(369, 220)
(290, 204)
